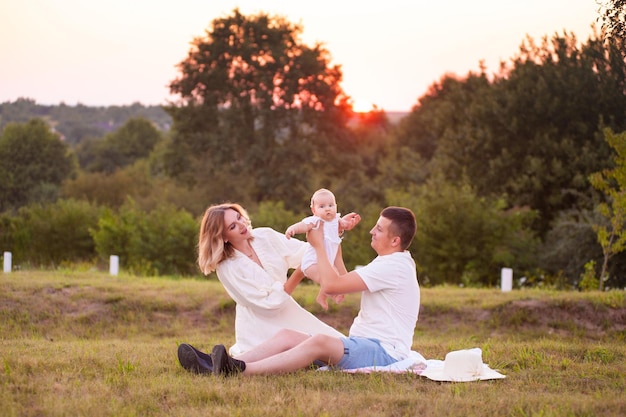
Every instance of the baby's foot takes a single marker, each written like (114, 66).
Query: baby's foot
(338, 298)
(321, 300)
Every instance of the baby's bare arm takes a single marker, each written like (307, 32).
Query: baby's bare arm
(297, 228)
(348, 221)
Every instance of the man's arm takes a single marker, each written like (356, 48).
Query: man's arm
(339, 265)
(330, 281)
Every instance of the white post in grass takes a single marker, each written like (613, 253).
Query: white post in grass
(507, 279)
(7, 262)
(114, 265)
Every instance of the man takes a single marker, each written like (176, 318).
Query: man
(381, 334)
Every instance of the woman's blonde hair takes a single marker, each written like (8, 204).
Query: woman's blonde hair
(211, 246)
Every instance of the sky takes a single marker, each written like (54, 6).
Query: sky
(119, 52)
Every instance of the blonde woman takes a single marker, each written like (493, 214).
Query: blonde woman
(252, 265)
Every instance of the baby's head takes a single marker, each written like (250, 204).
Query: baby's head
(323, 204)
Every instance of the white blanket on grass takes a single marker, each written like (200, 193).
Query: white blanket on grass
(416, 363)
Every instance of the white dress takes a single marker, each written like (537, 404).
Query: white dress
(263, 306)
(331, 241)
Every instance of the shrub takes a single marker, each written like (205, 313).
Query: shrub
(588, 279)
(275, 215)
(48, 234)
(463, 238)
(162, 241)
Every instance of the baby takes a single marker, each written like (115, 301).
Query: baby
(324, 209)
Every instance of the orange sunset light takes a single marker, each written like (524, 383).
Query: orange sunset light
(362, 106)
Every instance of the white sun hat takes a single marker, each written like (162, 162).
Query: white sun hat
(461, 366)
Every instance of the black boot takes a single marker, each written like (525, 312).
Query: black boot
(194, 360)
(223, 364)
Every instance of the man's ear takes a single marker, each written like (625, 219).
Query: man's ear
(395, 241)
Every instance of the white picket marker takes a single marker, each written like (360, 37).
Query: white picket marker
(7, 262)
(114, 265)
(506, 279)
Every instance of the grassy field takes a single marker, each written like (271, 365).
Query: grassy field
(76, 343)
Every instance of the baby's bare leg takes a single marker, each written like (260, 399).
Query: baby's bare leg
(313, 274)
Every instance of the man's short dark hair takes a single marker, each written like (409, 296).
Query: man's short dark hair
(403, 224)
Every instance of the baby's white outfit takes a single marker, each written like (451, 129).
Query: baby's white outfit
(331, 241)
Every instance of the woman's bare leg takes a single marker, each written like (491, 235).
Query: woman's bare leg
(283, 340)
(321, 347)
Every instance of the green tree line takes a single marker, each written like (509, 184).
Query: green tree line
(496, 166)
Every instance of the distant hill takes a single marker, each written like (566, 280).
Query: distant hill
(80, 122)
(395, 116)
(76, 123)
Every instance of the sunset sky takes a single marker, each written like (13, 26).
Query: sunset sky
(123, 51)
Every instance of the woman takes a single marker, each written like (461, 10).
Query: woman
(252, 265)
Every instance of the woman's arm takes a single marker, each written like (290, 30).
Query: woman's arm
(293, 281)
(251, 286)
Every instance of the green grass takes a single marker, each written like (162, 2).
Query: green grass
(78, 343)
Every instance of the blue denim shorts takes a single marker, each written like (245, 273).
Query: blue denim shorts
(359, 352)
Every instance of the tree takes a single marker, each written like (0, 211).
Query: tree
(111, 190)
(256, 103)
(132, 141)
(613, 17)
(444, 107)
(612, 182)
(568, 248)
(33, 164)
(530, 133)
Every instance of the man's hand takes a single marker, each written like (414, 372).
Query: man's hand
(315, 236)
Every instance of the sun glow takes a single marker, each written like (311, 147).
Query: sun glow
(362, 106)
